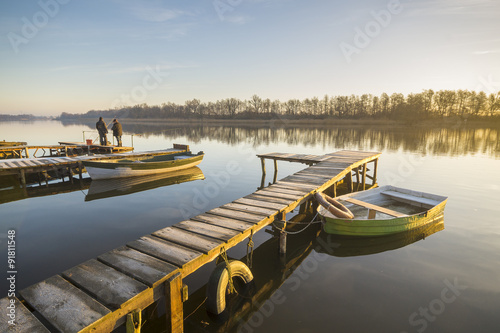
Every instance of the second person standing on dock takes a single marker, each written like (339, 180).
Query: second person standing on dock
(103, 130)
(117, 132)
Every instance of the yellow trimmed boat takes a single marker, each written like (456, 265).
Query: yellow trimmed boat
(381, 211)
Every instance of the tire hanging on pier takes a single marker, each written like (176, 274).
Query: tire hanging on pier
(217, 287)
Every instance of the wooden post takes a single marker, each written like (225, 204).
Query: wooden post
(275, 166)
(364, 176)
(282, 242)
(275, 178)
(349, 180)
(334, 190)
(134, 322)
(22, 176)
(80, 167)
(173, 302)
(375, 165)
(357, 178)
(263, 164)
(26, 152)
(262, 181)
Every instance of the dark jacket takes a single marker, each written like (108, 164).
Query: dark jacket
(117, 129)
(101, 127)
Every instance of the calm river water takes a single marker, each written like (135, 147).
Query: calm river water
(447, 282)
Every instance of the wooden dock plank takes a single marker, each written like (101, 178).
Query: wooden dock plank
(297, 185)
(250, 209)
(286, 190)
(63, 305)
(109, 286)
(223, 222)
(140, 266)
(274, 199)
(24, 321)
(165, 250)
(277, 194)
(236, 215)
(188, 239)
(207, 229)
(307, 180)
(258, 203)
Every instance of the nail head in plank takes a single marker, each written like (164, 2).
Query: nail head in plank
(236, 215)
(188, 239)
(25, 321)
(66, 307)
(165, 250)
(138, 265)
(223, 222)
(250, 209)
(207, 229)
(111, 287)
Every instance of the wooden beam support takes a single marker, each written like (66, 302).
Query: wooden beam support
(375, 167)
(364, 176)
(263, 164)
(134, 322)
(174, 306)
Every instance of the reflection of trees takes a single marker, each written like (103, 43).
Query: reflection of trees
(440, 141)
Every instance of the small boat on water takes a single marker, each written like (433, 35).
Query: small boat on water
(379, 211)
(142, 166)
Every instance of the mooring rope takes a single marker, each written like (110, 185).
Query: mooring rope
(307, 226)
(250, 246)
(223, 254)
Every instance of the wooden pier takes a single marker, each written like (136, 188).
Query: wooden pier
(105, 292)
(63, 149)
(67, 166)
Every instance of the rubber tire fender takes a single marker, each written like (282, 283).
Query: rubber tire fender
(217, 286)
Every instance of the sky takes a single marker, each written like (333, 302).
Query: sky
(74, 56)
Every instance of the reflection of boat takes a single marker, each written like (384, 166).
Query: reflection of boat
(142, 166)
(105, 188)
(348, 246)
(383, 211)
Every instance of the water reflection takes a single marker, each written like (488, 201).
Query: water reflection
(107, 188)
(453, 141)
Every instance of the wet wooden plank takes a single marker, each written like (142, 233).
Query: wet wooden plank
(188, 239)
(165, 250)
(250, 209)
(24, 321)
(322, 172)
(111, 287)
(207, 229)
(257, 203)
(223, 222)
(333, 164)
(140, 266)
(236, 215)
(63, 305)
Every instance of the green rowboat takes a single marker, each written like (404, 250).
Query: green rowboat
(383, 211)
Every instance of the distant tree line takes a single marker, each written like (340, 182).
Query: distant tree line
(420, 106)
(23, 117)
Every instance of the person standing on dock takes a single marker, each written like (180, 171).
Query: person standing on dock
(103, 130)
(117, 132)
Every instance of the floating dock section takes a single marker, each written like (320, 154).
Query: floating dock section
(105, 292)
